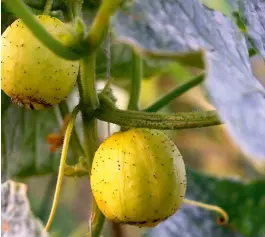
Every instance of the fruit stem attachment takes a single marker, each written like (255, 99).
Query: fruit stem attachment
(136, 77)
(67, 137)
(22, 11)
(47, 7)
(224, 216)
(163, 101)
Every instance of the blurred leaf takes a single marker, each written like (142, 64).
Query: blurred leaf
(25, 132)
(121, 63)
(191, 222)
(17, 219)
(5, 102)
(244, 203)
(39, 4)
(227, 7)
(253, 13)
(187, 26)
(153, 35)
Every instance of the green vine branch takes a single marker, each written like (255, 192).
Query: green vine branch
(154, 120)
(99, 28)
(160, 103)
(62, 166)
(75, 141)
(136, 77)
(88, 99)
(47, 7)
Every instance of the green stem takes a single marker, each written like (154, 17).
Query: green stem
(97, 220)
(47, 7)
(62, 165)
(89, 99)
(136, 77)
(75, 141)
(100, 24)
(158, 121)
(77, 8)
(87, 72)
(160, 103)
(23, 12)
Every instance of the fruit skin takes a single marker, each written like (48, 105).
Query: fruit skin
(138, 177)
(32, 74)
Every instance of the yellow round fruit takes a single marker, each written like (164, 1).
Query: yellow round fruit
(32, 74)
(138, 177)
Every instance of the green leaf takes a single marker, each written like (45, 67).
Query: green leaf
(121, 56)
(17, 219)
(244, 203)
(25, 150)
(253, 14)
(187, 27)
(227, 7)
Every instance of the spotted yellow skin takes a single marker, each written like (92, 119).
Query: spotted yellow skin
(138, 177)
(32, 74)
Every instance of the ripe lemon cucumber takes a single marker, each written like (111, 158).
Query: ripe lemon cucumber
(138, 177)
(32, 75)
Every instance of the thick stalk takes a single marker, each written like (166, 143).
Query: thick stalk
(165, 100)
(157, 121)
(23, 12)
(136, 77)
(62, 165)
(89, 99)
